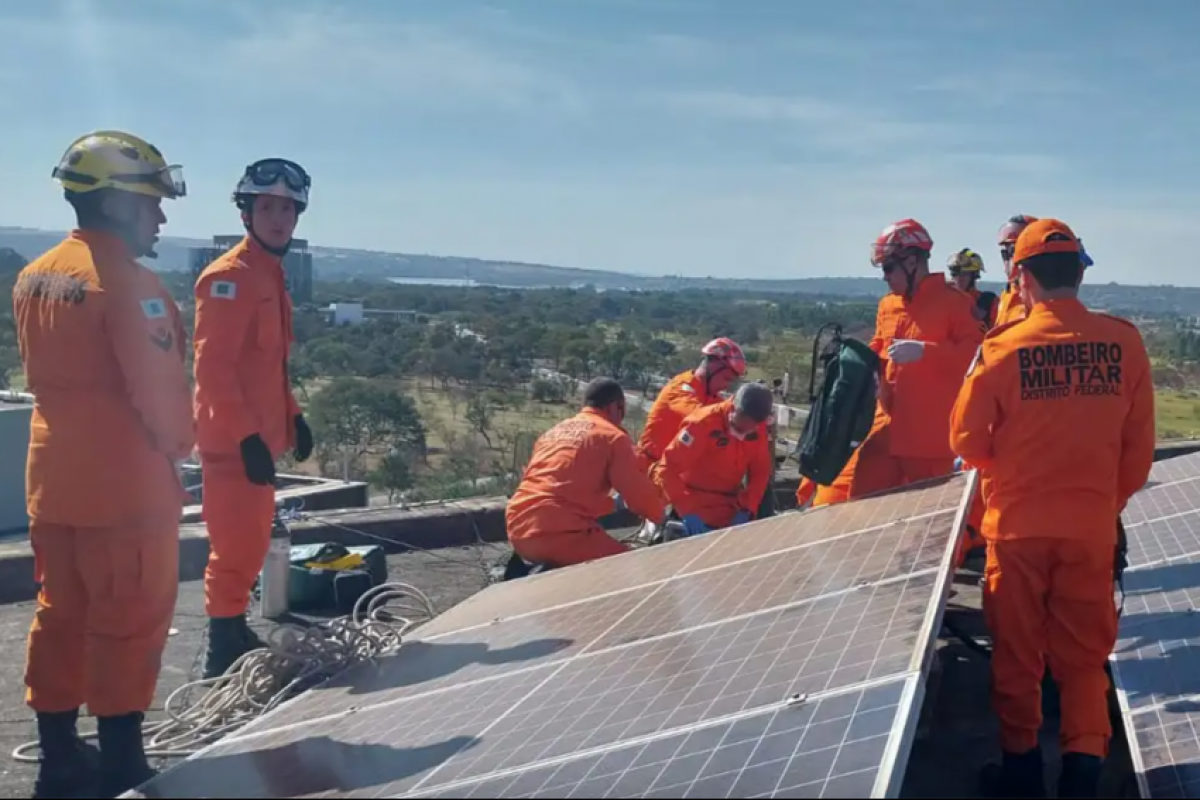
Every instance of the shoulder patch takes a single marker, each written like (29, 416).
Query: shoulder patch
(685, 438)
(223, 290)
(154, 308)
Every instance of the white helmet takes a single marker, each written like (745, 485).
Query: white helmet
(273, 176)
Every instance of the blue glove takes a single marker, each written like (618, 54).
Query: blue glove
(693, 525)
(740, 518)
(958, 464)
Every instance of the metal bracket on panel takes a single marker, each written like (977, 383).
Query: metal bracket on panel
(798, 699)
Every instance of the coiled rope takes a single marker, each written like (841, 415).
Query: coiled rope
(296, 658)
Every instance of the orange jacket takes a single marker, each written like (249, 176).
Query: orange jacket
(702, 470)
(103, 346)
(918, 396)
(1010, 308)
(567, 486)
(685, 393)
(243, 338)
(1058, 414)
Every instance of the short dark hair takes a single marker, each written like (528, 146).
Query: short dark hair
(1055, 270)
(602, 392)
(88, 208)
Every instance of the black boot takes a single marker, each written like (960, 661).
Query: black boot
(226, 644)
(250, 639)
(1020, 775)
(68, 767)
(123, 764)
(1080, 776)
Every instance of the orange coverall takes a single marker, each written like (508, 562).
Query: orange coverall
(552, 516)
(243, 338)
(911, 442)
(1009, 309)
(702, 471)
(1057, 413)
(685, 393)
(103, 347)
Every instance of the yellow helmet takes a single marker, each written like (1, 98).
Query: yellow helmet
(117, 160)
(965, 260)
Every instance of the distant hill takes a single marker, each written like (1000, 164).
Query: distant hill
(332, 263)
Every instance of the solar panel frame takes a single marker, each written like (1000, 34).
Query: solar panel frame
(301, 715)
(1157, 657)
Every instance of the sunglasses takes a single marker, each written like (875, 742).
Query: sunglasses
(1007, 249)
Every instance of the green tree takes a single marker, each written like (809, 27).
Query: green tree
(360, 419)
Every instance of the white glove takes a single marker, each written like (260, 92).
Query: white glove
(906, 351)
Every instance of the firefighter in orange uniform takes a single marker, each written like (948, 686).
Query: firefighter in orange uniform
(552, 517)
(719, 448)
(724, 362)
(103, 347)
(925, 332)
(246, 414)
(965, 268)
(1011, 308)
(1057, 413)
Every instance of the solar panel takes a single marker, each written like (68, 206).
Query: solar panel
(785, 657)
(1156, 664)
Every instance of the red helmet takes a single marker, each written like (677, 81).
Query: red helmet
(727, 352)
(902, 235)
(1010, 230)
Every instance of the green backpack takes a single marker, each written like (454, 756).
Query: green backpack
(841, 415)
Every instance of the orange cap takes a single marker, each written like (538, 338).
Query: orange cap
(1045, 236)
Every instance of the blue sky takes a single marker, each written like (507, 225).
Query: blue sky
(761, 138)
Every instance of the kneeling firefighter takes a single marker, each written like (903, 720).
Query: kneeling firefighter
(717, 469)
(103, 346)
(724, 362)
(246, 414)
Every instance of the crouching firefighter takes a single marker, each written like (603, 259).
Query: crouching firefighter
(103, 346)
(1059, 460)
(717, 469)
(246, 414)
(552, 517)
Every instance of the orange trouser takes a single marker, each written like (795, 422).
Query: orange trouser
(1051, 600)
(567, 549)
(103, 615)
(238, 515)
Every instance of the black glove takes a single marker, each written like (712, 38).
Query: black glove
(304, 440)
(256, 458)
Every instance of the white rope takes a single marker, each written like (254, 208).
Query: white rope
(296, 658)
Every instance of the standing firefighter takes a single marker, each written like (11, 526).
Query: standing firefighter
(1057, 413)
(103, 347)
(925, 333)
(246, 414)
(724, 362)
(965, 268)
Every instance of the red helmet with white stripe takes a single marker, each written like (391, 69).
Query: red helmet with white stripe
(907, 234)
(728, 353)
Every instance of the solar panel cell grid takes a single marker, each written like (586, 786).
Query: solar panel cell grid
(1169, 749)
(561, 587)
(472, 655)
(792, 530)
(828, 748)
(691, 677)
(788, 577)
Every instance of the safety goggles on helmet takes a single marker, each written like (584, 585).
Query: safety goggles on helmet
(275, 176)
